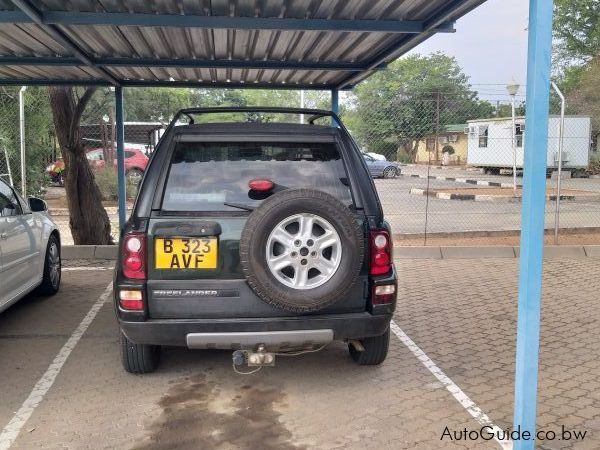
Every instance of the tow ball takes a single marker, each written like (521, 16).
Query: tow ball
(258, 358)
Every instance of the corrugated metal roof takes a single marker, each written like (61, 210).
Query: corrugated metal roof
(293, 43)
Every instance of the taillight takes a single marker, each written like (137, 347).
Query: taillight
(131, 300)
(383, 294)
(134, 256)
(381, 252)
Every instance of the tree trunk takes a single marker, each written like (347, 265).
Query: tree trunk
(410, 148)
(87, 217)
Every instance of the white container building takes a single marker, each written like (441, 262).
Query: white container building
(490, 142)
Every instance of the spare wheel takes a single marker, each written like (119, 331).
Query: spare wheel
(302, 250)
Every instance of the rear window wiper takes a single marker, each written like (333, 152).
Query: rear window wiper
(240, 206)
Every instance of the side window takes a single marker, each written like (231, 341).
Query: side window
(483, 136)
(129, 154)
(9, 205)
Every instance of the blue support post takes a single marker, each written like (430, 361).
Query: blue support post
(335, 105)
(120, 129)
(532, 220)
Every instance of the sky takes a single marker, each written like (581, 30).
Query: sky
(490, 44)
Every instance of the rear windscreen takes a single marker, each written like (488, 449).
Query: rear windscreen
(205, 176)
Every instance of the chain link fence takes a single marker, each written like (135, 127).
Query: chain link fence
(457, 158)
(443, 163)
(38, 144)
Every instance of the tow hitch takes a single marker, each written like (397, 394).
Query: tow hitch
(258, 359)
(262, 358)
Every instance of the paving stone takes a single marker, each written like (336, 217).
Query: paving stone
(462, 313)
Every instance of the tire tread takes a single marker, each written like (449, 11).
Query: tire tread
(139, 358)
(376, 349)
(46, 288)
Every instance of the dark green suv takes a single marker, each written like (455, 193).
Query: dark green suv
(261, 237)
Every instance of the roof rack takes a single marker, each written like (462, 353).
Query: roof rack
(314, 114)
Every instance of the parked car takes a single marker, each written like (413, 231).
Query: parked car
(377, 156)
(264, 237)
(135, 164)
(29, 247)
(382, 168)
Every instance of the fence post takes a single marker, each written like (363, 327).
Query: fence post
(532, 234)
(22, 140)
(120, 131)
(561, 135)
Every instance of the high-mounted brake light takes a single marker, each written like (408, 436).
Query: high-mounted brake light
(381, 252)
(134, 256)
(260, 185)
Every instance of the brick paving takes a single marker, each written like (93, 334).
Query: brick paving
(460, 312)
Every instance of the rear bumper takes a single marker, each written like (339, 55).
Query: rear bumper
(175, 332)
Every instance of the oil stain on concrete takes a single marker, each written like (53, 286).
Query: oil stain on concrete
(197, 414)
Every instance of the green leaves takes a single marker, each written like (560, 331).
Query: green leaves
(411, 99)
(577, 29)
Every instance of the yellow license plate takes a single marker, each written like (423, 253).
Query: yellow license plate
(185, 253)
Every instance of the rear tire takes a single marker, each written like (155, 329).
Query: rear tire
(52, 268)
(376, 349)
(139, 358)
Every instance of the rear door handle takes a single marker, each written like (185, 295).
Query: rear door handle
(3, 235)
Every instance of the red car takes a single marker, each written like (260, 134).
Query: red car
(135, 164)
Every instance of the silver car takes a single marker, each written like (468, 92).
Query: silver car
(382, 168)
(29, 247)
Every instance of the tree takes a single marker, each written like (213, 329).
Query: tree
(87, 217)
(577, 56)
(397, 107)
(39, 131)
(584, 97)
(577, 30)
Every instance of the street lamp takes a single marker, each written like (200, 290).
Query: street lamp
(513, 88)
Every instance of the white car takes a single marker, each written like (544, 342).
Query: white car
(29, 247)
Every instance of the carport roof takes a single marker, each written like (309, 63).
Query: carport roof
(313, 44)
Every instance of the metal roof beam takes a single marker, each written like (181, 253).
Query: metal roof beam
(183, 63)
(59, 36)
(223, 85)
(161, 83)
(52, 82)
(218, 22)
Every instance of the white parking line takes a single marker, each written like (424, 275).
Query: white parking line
(456, 392)
(86, 269)
(12, 430)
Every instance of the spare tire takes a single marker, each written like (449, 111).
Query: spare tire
(301, 250)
